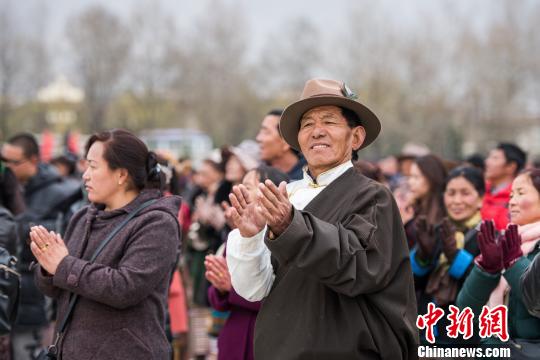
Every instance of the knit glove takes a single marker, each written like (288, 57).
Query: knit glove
(447, 232)
(425, 237)
(491, 258)
(511, 246)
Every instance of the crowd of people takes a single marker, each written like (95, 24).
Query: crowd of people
(285, 247)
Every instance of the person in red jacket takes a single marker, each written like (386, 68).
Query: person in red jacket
(502, 166)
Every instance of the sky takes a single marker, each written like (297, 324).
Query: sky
(48, 18)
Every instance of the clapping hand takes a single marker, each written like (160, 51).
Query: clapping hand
(217, 272)
(447, 232)
(227, 212)
(245, 212)
(511, 246)
(48, 248)
(275, 205)
(491, 256)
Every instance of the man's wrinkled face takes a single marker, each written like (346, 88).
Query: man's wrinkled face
(14, 158)
(271, 144)
(326, 140)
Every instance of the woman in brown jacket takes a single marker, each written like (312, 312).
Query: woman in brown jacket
(120, 312)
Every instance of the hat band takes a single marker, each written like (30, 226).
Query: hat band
(323, 95)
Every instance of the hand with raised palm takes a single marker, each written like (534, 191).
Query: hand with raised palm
(245, 213)
(447, 232)
(511, 246)
(491, 257)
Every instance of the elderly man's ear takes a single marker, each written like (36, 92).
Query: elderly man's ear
(358, 137)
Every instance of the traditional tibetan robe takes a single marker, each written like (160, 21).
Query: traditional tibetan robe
(343, 286)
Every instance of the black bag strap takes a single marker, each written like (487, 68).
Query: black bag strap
(75, 297)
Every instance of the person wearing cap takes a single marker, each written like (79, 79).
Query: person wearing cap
(327, 253)
(242, 159)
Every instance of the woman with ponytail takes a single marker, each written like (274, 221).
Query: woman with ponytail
(112, 303)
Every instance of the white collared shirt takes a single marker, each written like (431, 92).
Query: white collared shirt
(248, 259)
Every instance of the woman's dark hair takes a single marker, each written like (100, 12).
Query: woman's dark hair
(471, 174)
(69, 161)
(226, 154)
(123, 150)
(476, 160)
(266, 172)
(170, 174)
(534, 175)
(214, 165)
(275, 112)
(432, 204)
(10, 196)
(369, 170)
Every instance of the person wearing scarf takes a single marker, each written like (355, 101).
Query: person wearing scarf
(504, 259)
(444, 264)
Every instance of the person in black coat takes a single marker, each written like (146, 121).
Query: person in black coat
(10, 205)
(46, 198)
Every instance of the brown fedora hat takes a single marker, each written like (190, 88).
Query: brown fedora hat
(319, 92)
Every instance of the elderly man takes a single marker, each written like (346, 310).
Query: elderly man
(326, 253)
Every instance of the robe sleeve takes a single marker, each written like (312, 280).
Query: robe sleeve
(218, 300)
(353, 257)
(237, 300)
(249, 263)
(226, 301)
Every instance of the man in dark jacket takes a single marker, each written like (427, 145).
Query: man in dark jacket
(275, 151)
(327, 253)
(8, 208)
(8, 230)
(46, 199)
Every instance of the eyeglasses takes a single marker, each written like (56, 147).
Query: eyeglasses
(13, 162)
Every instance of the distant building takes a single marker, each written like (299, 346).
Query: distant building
(62, 102)
(179, 142)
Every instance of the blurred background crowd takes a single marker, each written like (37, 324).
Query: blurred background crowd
(441, 200)
(454, 83)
